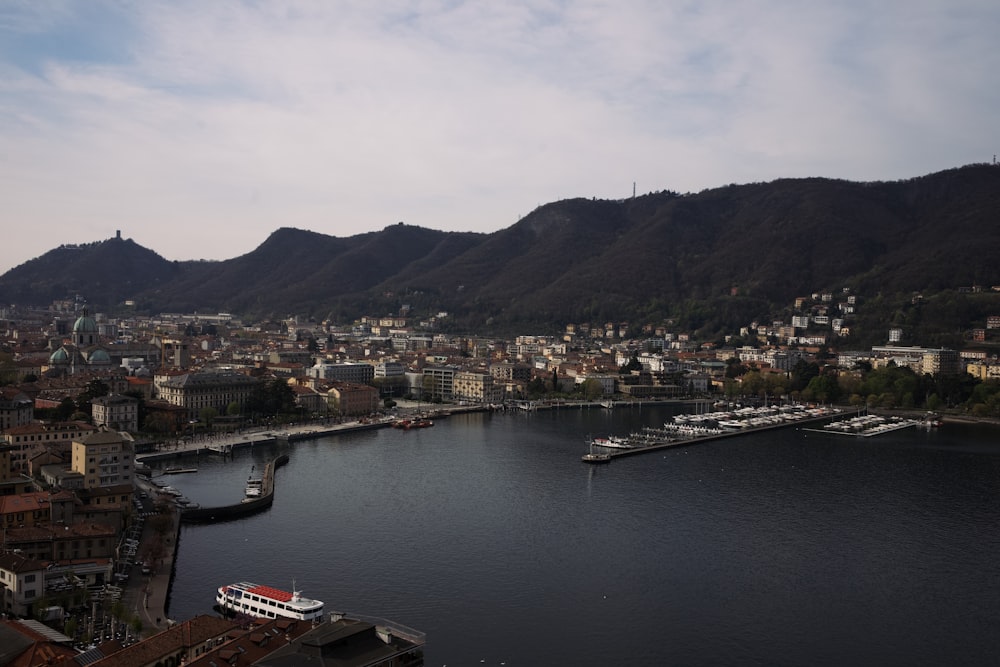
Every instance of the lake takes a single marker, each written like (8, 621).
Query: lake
(488, 533)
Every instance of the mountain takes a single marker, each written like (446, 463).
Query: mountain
(712, 260)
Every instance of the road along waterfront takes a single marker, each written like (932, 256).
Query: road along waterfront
(487, 533)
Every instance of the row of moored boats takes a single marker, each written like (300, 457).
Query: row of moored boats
(720, 422)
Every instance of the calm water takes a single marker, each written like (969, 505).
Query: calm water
(489, 534)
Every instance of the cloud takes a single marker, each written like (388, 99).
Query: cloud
(198, 128)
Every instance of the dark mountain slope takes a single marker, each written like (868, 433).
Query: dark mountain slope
(709, 260)
(115, 268)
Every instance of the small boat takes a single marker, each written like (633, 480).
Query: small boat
(407, 424)
(595, 457)
(249, 599)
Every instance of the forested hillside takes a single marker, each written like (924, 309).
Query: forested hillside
(709, 261)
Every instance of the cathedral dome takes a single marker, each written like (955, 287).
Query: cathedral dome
(85, 325)
(60, 356)
(99, 356)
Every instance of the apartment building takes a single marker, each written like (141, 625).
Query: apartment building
(476, 387)
(116, 411)
(104, 458)
(439, 382)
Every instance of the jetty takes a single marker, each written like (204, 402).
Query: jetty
(692, 429)
(867, 426)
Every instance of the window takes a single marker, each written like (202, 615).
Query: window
(29, 594)
(29, 578)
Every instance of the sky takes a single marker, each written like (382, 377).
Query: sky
(197, 128)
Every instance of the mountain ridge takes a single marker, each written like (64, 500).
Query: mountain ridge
(714, 259)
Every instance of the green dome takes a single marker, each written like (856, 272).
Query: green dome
(85, 325)
(99, 356)
(60, 356)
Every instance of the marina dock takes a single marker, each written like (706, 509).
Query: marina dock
(689, 429)
(866, 426)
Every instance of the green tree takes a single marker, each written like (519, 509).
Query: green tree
(824, 388)
(271, 398)
(592, 389)
(65, 409)
(536, 388)
(633, 364)
(802, 373)
(207, 415)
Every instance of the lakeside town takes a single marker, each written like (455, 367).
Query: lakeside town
(87, 542)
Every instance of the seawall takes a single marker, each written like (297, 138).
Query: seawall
(241, 509)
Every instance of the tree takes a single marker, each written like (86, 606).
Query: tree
(94, 389)
(592, 389)
(802, 373)
(633, 365)
(824, 388)
(536, 388)
(65, 409)
(207, 415)
(734, 368)
(272, 398)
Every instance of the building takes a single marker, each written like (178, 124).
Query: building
(350, 643)
(511, 372)
(438, 382)
(12, 482)
(217, 390)
(606, 381)
(87, 545)
(476, 387)
(30, 643)
(349, 399)
(389, 369)
(117, 412)
(178, 645)
(25, 509)
(941, 362)
(22, 582)
(104, 458)
(16, 408)
(309, 400)
(343, 372)
(84, 352)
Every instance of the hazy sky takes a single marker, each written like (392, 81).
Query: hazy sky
(199, 127)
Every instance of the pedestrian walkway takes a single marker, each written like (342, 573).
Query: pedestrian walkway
(146, 595)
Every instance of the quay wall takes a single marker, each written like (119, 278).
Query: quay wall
(241, 509)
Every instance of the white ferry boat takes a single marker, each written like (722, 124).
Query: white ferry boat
(250, 599)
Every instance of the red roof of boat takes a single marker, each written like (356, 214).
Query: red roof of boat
(273, 593)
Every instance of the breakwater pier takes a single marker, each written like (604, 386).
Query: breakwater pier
(690, 429)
